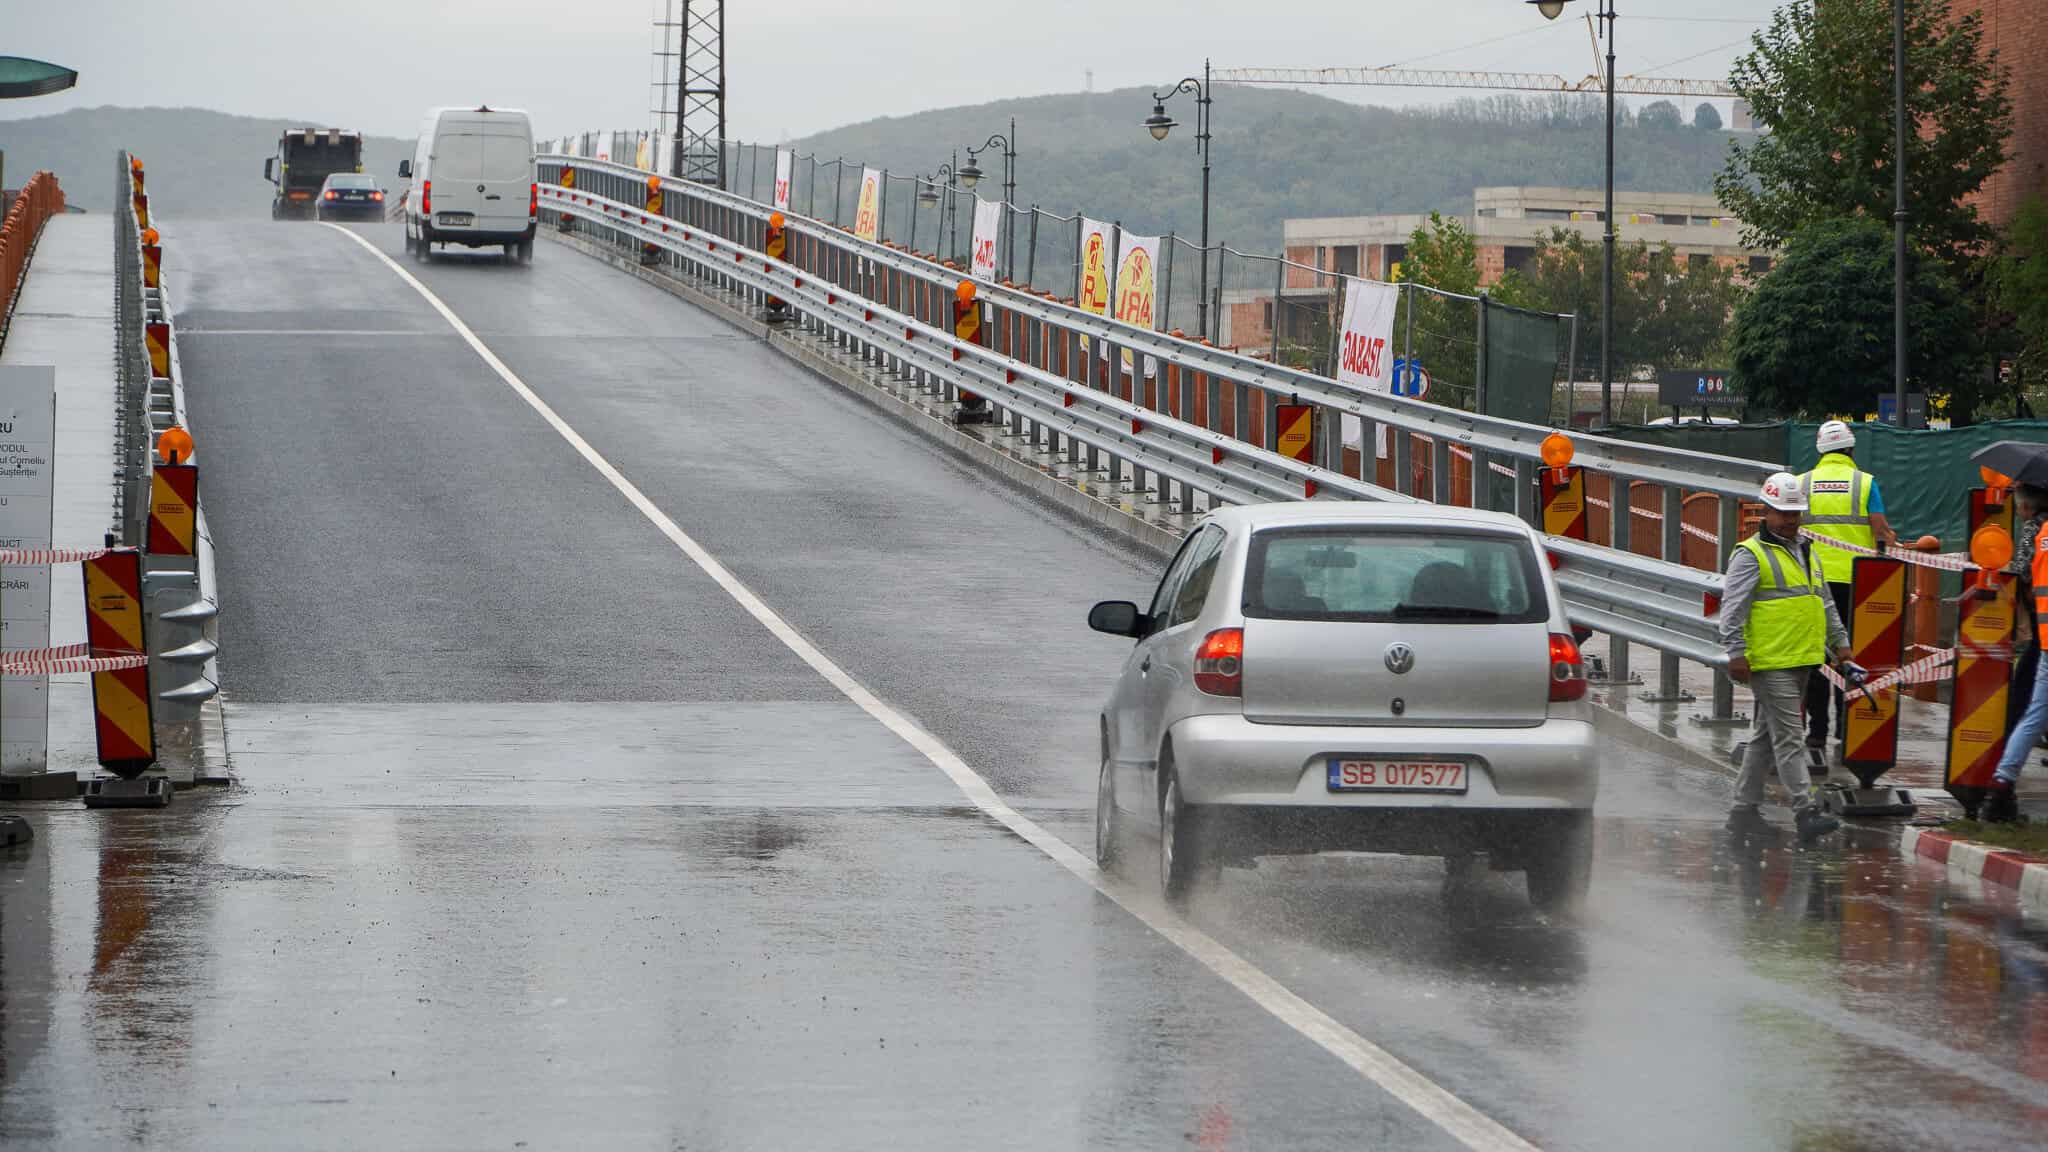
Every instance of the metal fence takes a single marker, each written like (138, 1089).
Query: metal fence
(1188, 428)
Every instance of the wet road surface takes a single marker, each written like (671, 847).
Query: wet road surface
(542, 839)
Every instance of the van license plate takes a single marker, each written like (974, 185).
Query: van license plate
(1396, 776)
(455, 218)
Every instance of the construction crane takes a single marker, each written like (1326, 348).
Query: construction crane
(1465, 78)
(1451, 78)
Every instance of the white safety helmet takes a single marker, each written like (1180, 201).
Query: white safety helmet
(1782, 491)
(1834, 437)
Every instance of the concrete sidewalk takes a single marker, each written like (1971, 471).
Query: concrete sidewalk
(65, 318)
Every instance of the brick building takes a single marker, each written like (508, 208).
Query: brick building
(1506, 224)
(2018, 31)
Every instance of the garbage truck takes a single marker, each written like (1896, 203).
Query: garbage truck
(305, 158)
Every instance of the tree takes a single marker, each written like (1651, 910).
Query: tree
(1660, 116)
(2019, 288)
(1441, 255)
(1666, 314)
(1819, 80)
(1814, 338)
(1706, 117)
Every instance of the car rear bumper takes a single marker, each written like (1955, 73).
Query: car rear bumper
(1227, 761)
(477, 237)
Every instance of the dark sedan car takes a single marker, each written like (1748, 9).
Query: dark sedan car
(350, 196)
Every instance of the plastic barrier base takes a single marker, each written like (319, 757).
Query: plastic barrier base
(142, 792)
(1867, 803)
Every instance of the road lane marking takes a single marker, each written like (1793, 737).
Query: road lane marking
(1463, 1122)
(185, 332)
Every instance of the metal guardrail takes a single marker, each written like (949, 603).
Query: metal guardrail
(180, 594)
(888, 307)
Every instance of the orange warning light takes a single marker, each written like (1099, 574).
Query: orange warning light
(135, 163)
(174, 446)
(149, 236)
(965, 292)
(653, 183)
(775, 220)
(1557, 450)
(1993, 478)
(1991, 548)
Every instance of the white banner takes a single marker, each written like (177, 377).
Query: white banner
(867, 217)
(1137, 279)
(1365, 350)
(28, 435)
(1091, 292)
(785, 164)
(988, 226)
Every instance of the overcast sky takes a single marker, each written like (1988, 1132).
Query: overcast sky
(793, 66)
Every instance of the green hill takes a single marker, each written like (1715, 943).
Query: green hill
(1281, 154)
(201, 164)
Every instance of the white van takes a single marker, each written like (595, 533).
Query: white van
(472, 182)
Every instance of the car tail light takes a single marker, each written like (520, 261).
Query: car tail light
(532, 201)
(1567, 668)
(426, 197)
(1219, 663)
(377, 196)
(333, 195)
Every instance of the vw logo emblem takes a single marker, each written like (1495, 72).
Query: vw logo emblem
(1400, 658)
(479, 187)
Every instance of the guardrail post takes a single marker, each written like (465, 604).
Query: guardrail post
(1440, 470)
(1620, 516)
(1526, 505)
(1730, 528)
(1403, 443)
(1674, 546)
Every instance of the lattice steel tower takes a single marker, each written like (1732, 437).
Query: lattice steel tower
(690, 89)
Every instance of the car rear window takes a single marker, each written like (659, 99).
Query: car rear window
(1382, 575)
(351, 181)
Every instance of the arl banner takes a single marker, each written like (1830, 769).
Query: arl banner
(785, 163)
(1137, 264)
(1093, 291)
(988, 225)
(867, 218)
(1365, 350)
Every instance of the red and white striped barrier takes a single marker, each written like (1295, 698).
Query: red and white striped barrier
(1927, 670)
(1946, 561)
(50, 555)
(69, 658)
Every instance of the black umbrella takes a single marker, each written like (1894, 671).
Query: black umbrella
(2024, 460)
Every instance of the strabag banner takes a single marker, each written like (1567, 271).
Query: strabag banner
(867, 218)
(1364, 350)
(1137, 264)
(785, 163)
(988, 225)
(1092, 294)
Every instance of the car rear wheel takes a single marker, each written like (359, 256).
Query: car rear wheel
(423, 248)
(1108, 849)
(1561, 868)
(1182, 860)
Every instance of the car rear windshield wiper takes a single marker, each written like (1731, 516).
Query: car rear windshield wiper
(1443, 612)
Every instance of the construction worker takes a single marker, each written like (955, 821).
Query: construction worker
(2001, 804)
(1778, 627)
(1842, 503)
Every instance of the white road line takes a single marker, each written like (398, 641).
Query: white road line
(184, 332)
(1434, 1103)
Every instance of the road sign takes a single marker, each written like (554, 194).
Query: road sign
(28, 418)
(1410, 378)
(1564, 501)
(1877, 639)
(1916, 409)
(173, 509)
(1297, 438)
(123, 709)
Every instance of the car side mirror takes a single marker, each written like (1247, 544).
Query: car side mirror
(1118, 618)
(270, 169)
(405, 169)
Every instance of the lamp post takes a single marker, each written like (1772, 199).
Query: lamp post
(971, 175)
(1551, 9)
(1160, 124)
(928, 193)
(1899, 213)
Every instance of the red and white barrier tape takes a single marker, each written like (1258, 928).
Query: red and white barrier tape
(1946, 561)
(1926, 670)
(50, 555)
(69, 658)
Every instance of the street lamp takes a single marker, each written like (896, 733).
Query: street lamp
(928, 193)
(971, 175)
(1160, 124)
(1551, 9)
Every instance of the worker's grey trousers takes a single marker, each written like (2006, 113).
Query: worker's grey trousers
(1780, 738)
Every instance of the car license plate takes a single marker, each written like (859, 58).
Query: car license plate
(1396, 775)
(455, 218)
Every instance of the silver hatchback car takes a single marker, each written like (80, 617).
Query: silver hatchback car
(1330, 676)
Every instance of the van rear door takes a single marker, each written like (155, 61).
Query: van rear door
(507, 175)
